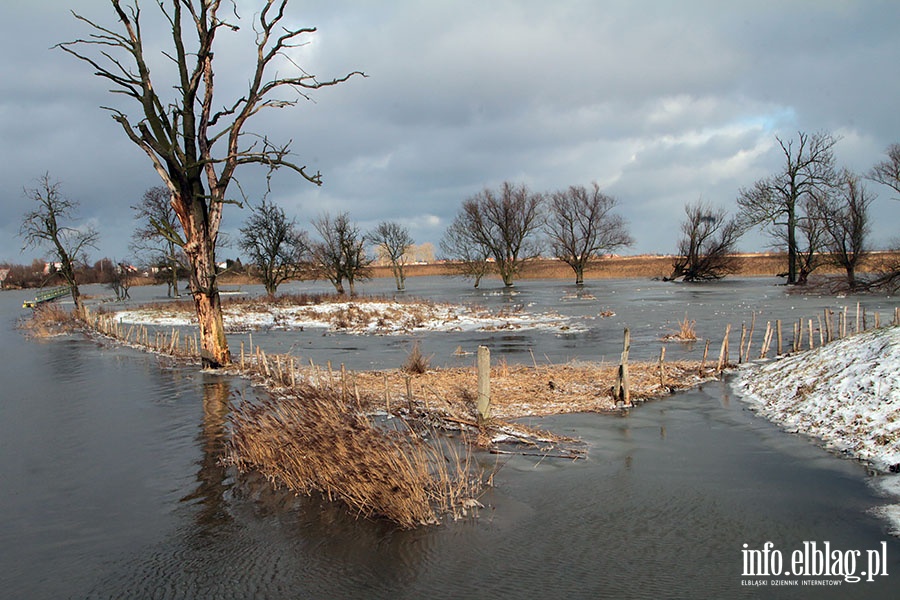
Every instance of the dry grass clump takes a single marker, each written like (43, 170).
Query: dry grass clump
(685, 333)
(48, 320)
(416, 362)
(310, 441)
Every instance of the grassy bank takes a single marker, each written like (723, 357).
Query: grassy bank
(644, 266)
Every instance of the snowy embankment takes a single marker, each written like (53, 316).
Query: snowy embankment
(846, 394)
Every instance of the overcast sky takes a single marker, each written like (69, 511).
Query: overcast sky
(661, 103)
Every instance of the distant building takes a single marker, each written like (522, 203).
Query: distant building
(52, 266)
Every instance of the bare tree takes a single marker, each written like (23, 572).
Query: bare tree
(274, 245)
(340, 253)
(46, 226)
(121, 280)
(706, 250)
(394, 241)
(811, 237)
(887, 172)
(158, 238)
(469, 258)
(505, 223)
(776, 202)
(845, 220)
(195, 140)
(581, 226)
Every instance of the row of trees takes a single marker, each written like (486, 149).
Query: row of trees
(506, 227)
(817, 212)
(279, 250)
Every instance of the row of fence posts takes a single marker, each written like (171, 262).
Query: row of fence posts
(173, 343)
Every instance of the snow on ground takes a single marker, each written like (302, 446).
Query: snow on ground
(382, 318)
(846, 394)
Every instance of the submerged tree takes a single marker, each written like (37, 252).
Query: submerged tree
(845, 221)
(581, 226)
(469, 257)
(47, 226)
(196, 140)
(706, 249)
(393, 240)
(274, 245)
(340, 253)
(505, 223)
(157, 238)
(777, 202)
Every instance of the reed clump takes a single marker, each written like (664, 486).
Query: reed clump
(685, 333)
(416, 363)
(48, 320)
(310, 441)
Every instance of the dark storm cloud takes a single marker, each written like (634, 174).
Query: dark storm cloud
(659, 102)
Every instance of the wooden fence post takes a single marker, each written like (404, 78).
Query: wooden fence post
(778, 327)
(622, 391)
(484, 384)
(723, 351)
(662, 367)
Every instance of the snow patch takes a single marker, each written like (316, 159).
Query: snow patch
(846, 394)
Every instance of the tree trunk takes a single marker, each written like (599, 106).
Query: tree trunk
(399, 277)
(579, 274)
(214, 352)
(506, 274)
(792, 244)
(201, 253)
(851, 276)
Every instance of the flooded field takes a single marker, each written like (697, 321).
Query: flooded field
(113, 489)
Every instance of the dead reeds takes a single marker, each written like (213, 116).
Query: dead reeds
(309, 441)
(416, 363)
(685, 333)
(48, 320)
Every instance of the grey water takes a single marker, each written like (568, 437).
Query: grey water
(111, 487)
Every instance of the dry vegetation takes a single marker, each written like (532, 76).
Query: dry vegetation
(685, 333)
(48, 320)
(311, 441)
(520, 390)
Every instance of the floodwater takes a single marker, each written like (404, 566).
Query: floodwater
(111, 486)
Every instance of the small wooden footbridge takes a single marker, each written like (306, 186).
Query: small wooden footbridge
(48, 295)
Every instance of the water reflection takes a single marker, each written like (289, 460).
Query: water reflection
(213, 477)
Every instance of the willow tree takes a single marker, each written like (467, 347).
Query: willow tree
(778, 202)
(505, 223)
(195, 139)
(581, 226)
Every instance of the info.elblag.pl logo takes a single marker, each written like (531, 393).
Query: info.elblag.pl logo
(813, 564)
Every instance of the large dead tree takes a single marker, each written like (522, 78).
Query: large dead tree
(777, 201)
(581, 226)
(195, 140)
(506, 224)
(707, 246)
(47, 225)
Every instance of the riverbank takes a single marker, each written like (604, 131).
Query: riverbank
(845, 394)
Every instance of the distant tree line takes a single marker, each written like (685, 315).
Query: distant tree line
(819, 214)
